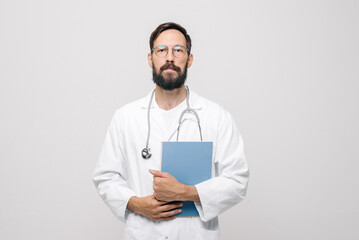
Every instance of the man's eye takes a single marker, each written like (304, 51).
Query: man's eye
(178, 49)
(161, 50)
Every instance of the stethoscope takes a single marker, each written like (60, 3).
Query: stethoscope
(146, 152)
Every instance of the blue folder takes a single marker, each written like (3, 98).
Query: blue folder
(190, 163)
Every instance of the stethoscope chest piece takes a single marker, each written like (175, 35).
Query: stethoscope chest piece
(146, 153)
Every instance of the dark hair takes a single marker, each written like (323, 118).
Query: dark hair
(170, 25)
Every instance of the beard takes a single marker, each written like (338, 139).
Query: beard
(169, 82)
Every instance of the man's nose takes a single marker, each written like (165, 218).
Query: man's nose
(170, 57)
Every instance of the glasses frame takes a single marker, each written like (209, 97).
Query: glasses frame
(172, 50)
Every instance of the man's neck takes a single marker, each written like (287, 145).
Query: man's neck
(167, 100)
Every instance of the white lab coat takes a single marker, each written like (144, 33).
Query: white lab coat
(121, 172)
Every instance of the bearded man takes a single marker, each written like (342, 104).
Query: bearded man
(128, 176)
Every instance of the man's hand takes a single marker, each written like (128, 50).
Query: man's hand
(151, 208)
(167, 188)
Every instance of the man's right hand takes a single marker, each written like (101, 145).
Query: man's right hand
(153, 209)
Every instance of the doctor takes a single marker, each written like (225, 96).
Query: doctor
(128, 176)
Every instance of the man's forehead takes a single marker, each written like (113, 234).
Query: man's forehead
(170, 37)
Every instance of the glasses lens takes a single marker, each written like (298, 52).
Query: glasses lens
(161, 51)
(179, 51)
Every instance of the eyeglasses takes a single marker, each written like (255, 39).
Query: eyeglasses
(177, 51)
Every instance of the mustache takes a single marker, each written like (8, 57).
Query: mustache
(171, 66)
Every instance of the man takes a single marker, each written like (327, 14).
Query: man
(128, 177)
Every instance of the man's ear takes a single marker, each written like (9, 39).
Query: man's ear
(149, 58)
(190, 60)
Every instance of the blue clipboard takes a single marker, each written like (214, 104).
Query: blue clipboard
(190, 163)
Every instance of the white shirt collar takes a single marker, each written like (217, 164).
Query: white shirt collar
(195, 101)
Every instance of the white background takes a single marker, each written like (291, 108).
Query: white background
(288, 72)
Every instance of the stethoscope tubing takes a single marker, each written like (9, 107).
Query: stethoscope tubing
(146, 152)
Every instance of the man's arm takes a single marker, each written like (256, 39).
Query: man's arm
(110, 175)
(228, 187)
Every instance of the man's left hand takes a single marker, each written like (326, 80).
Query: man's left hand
(166, 187)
